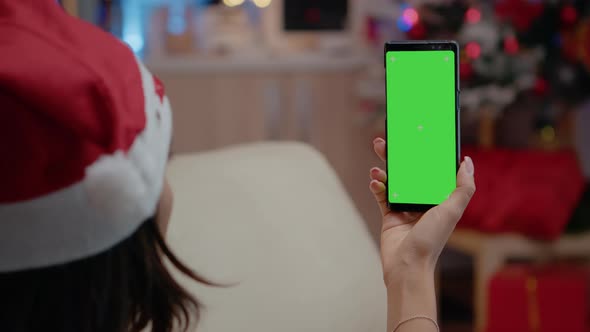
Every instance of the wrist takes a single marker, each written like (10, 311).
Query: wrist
(409, 272)
(411, 293)
(414, 280)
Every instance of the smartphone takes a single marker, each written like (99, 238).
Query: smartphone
(422, 123)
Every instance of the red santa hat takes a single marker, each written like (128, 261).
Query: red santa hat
(84, 136)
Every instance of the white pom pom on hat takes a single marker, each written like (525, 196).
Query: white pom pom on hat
(85, 131)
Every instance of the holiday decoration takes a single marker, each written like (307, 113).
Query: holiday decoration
(473, 50)
(525, 298)
(465, 71)
(520, 13)
(473, 15)
(510, 46)
(541, 86)
(510, 50)
(512, 185)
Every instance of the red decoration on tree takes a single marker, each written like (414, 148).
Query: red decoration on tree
(569, 15)
(541, 86)
(511, 45)
(473, 50)
(465, 71)
(418, 31)
(520, 13)
(473, 15)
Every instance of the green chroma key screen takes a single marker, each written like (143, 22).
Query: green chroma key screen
(421, 143)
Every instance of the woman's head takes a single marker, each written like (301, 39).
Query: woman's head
(124, 289)
(84, 138)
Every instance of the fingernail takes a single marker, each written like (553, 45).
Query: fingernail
(469, 165)
(376, 185)
(378, 140)
(372, 184)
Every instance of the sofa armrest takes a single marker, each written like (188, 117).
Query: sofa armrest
(275, 219)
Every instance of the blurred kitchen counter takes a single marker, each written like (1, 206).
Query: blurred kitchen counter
(259, 63)
(310, 98)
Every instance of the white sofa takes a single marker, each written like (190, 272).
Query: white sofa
(274, 218)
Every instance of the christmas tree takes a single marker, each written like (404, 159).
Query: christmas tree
(511, 47)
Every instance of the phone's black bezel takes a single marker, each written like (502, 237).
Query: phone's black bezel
(426, 45)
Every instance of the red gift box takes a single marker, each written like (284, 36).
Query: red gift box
(532, 299)
(533, 193)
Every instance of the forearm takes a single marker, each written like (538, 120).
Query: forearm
(409, 295)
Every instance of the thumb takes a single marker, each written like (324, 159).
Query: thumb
(459, 199)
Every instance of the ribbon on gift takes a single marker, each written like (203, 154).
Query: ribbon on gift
(532, 286)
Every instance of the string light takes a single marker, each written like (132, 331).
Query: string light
(410, 16)
(233, 3)
(408, 19)
(262, 3)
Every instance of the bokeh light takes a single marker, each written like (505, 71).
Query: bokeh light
(408, 19)
(473, 50)
(410, 16)
(473, 15)
(233, 3)
(135, 41)
(262, 3)
(132, 30)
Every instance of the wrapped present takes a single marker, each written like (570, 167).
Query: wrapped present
(532, 299)
(533, 193)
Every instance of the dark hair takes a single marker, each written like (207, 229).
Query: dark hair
(124, 289)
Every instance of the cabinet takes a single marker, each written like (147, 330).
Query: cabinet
(212, 111)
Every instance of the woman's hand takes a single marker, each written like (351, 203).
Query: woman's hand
(412, 242)
(415, 240)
